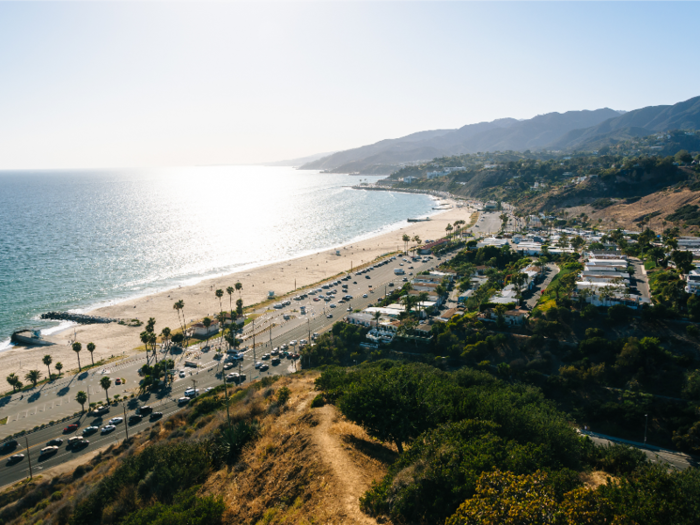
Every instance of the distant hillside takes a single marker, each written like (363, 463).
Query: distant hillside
(637, 123)
(498, 135)
(570, 131)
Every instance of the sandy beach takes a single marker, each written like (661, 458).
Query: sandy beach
(200, 300)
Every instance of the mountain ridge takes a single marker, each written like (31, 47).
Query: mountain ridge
(571, 130)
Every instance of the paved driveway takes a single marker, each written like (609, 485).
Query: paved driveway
(534, 295)
(639, 278)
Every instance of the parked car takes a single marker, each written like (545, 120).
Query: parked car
(118, 381)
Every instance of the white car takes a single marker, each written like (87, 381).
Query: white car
(183, 400)
(48, 450)
(107, 429)
(192, 392)
(182, 373)
(116, 420)
(258, 364)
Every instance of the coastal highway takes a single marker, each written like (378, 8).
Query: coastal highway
(56, 400)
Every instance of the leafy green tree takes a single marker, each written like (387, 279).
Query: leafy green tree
(398, 404)
(683, 260)
(59, 367)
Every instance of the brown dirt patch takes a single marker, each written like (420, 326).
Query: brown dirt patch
(594, 479)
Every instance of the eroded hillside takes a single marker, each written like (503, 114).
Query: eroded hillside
(305, 465)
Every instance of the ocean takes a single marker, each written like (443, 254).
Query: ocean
(76, 240)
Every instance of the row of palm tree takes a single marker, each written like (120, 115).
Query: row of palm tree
(78, 347)
(33, 376)
(407, 239)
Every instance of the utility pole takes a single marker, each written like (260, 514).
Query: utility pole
(126, 423)
(29, 457)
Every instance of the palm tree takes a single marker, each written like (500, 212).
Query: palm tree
(448, 229)
(105, 383)
(81, 397)
(417, 240)
(207, 323)
(145, 339)
(153, 340)
(376, 316)
(47, 361)
(59, 367)
(77, 347)
(220, 293)
(91, 349)
(165, 335)
(14, 382)
(406, 239)
(239, 287)
(230, 291)
(422, 298)
(222, 319)
(33, 377)
(179, 307)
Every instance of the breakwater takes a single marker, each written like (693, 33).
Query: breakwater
(78, 318)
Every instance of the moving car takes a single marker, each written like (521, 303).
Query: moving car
(144, 410)
(70, 428)
(183, 400)
(156, 415)
(90, 430)
(182, 373)
(8, 445)
(107, 429)
(15, 458)
(118, 381)
(77, 441)
(116, 420)
(135, 418)
(364, 296)
(192, 392)
(57, 442)
(47, 451)
(329, 316)
(258, 364)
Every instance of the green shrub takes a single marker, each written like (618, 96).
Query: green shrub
(318, 401)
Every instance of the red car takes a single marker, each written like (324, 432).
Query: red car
(118, 382)
(70, 428)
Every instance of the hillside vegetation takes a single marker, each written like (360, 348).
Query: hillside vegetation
(281, 462)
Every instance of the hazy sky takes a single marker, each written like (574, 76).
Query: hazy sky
(165, 84)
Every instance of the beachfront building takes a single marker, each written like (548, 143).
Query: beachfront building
(199, 330)
(427, 249)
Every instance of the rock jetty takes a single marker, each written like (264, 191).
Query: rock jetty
(78, 318)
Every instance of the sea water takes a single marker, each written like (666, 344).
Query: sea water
(73, 240)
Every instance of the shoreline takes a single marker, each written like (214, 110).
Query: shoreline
(186, 282)
(281, 276)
